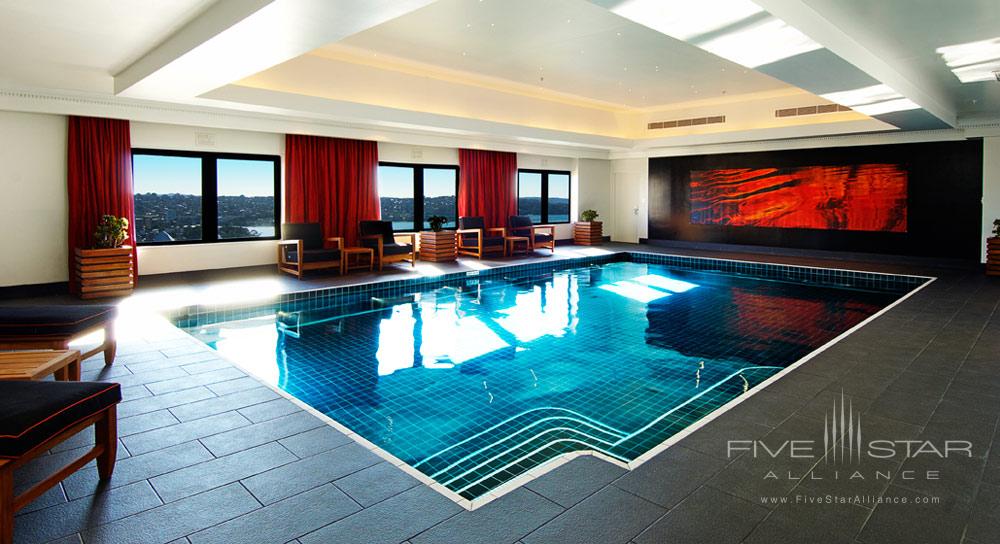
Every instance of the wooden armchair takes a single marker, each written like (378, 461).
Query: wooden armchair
(476, 240)
(521, 225)
(302, 248)
(384, 241)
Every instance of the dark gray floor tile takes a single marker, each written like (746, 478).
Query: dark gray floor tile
(502, 521)
(576, 480)
(984, 521)
(376, 483)
(175, 520)
(868, 477)
(812, 523)
(104, 373)
(955, 477)
(146, 378)
(52, 497)
(217, 472)
(184, 348)
(168, 436)
(684, 469)
(282, 521)
(756, 479)
(713, 439)
(910, 408)
(135, 392)
(801, 384)
(895, 521)
(232, 386)
(299, 476)
(820, 407)
(588, 521)
(187, 381)
(315, 441)
(269, 410)
(706, 516)
(145, 422)
(159, 402)
(766, 408)
(140, 467)
(217, 405)
(260, 433)
(206, 366)
(390, 521)
(74, 516)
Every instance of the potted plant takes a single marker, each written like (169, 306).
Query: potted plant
(438, 245)
(437, 222)
(111, 232)
(107, 269)
(993, 251)
(588, 232)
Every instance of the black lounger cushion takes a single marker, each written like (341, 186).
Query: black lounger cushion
(396, 249)
(56, 320)
(33, 412)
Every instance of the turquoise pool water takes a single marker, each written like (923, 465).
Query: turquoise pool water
(478, 381)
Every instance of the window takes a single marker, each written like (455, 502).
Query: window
(411, 193)
(191, 197)
(543, 195)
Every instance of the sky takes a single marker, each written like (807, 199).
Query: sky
(163, 174)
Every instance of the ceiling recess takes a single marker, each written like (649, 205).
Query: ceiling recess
(687, 122)
(810, 110)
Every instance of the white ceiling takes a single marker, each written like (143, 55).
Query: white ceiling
(909, 32)
(80, 44)
(568, 46)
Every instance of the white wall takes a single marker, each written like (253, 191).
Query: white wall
(991, 187)
(33, 210)
(179, 258)
(594, 191)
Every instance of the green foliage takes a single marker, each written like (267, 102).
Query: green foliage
(437, 221)
(996, 227)
(111, 232)
(589, 215)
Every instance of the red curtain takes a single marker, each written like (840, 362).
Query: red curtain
(331, 181)
(487, 186)
(99, 181)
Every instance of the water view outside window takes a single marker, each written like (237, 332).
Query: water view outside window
(167, 198)
(558, 203)
(246, 198)
(529, 195)
(439, 195)
(395, 190)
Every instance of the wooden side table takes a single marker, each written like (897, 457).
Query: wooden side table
(510, 245)
(588, 233)
(438, 246)
(358, 262)
(35, 365)
(993, 256)
(105, 273)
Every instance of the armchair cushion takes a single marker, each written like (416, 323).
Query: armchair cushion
(542, 238)
(33, 412)
(383, 228)
(396, 249)
(468, 239)
(312, 255)
(311, 234)
(55, 320)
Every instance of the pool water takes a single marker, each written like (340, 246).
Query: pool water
(479, 381)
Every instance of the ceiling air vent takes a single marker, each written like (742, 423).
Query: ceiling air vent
(687, 122)
(810, 110)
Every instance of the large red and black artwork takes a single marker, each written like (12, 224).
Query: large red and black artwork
(864, 197)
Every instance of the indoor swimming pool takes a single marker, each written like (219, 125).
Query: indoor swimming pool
(474, 381)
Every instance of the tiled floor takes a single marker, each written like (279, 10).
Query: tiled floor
(210, 455)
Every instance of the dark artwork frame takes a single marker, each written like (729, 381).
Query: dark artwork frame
(944, 201)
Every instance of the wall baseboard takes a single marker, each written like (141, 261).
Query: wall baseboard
(34, 290)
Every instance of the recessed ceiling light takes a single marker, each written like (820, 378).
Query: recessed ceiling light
(569, 20)
(468, 25)
(618, 33)
(625, 68)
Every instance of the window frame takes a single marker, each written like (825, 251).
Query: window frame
(210, 193)
(418, 190)
(545, 194)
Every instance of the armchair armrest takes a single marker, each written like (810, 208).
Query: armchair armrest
(288, 242)
(501, 230)
(550, 228)
(337, 240)
(468, 231)
(411, 235)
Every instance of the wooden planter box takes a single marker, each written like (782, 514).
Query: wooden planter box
(438, 246)
(993, 256)
(588, 233)
(105, 272)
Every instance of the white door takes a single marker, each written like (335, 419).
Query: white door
(626, 204)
